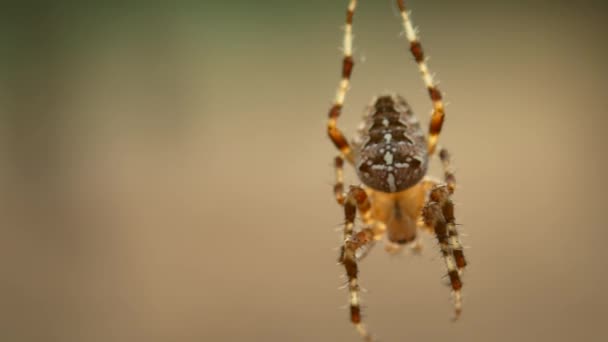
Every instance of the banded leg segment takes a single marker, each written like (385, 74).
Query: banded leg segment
(439, 214)
(347, 67)
(457, 249)
(448, 211)
(434, 93)
(339, 186)
(356, 198)
(448, 171)
(362, 203)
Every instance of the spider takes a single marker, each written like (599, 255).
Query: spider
(390, 155)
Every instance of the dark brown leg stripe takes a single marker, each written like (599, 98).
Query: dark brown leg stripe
(334, 112)
(362, 200)
(350, 211)
(401, 5)
(338, 162)
(355, 314)
(460, 260)
(435, 94)
(448, 212)
(347, 66)
(349, 16)
(351, 267)
(416, 49)
(455, 280)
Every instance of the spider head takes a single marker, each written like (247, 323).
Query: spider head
(393, 154)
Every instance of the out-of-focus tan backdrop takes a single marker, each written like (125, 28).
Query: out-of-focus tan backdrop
(165, 172)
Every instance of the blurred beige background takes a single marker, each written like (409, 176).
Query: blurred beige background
(166, 174)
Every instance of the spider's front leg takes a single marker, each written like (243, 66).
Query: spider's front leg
(354, 242)
(439, 214)
(335, 134)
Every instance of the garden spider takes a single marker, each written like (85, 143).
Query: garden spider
(390, 156)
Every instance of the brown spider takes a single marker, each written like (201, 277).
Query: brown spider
(390, 156)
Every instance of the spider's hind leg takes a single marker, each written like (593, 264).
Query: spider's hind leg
(439, 214)
(450, 181)
(353, 243)
(335, 134)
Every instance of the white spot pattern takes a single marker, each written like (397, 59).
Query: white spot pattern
(388, 158)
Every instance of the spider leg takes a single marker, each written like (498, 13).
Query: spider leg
(353, 242)
(378, 228)
(339, 186)
(439, 214)
(347, 66)
(434, 93)
(448, 171)
(450, 180)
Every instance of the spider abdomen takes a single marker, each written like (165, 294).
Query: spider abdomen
(393, 150)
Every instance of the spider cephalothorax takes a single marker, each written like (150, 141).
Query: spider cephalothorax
(391, 157)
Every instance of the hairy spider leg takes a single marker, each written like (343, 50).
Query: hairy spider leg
(356, 198)
(448, 171)
(339, 185)
(347, 67)
(434, 93)
(378, 228)
(439, 214)
(450, 181)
